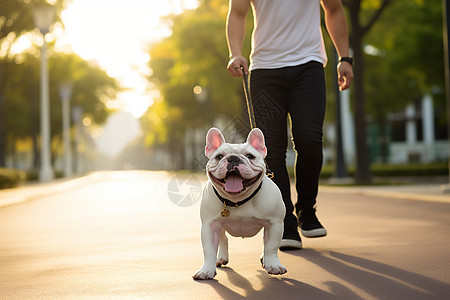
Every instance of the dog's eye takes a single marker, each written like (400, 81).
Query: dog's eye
(250, 156)
(219, 157)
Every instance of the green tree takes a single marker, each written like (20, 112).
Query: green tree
(15, 19)
(91, 88)
(194, 55)
(19, 90)
(406, 60)
(363, 14)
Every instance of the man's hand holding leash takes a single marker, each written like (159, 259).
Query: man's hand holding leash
(235, 64)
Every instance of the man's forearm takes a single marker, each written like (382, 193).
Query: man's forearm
(235, 26)
(235, 34)
(337, 28)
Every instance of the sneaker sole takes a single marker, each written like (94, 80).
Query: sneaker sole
(319, 232)
(287, 245)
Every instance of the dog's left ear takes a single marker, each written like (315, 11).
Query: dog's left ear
(214, 139)
(256, 139)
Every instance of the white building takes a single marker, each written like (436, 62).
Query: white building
(412, 135)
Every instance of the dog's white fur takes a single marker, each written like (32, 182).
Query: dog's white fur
(265, 210)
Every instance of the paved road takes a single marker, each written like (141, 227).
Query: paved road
(120, 235)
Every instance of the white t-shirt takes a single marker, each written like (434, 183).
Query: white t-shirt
(286, 33)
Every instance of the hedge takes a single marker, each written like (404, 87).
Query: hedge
(397, 170)
(11, 178)
(391, 170)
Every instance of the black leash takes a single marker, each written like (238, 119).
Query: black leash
(251, 115)
(248, 99)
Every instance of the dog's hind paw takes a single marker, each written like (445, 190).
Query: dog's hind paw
(221, 262)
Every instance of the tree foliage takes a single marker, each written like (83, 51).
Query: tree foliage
(92, 87)
(194, 55)
(362, 16)
(407, 58)
(16, 16)
(19, 80)
(406, 32)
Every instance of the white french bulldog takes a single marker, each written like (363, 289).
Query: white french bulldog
(240, 199)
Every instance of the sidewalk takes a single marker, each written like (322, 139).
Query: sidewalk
(35, 190)
(430, 192)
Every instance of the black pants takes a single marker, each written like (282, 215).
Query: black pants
(298, 92)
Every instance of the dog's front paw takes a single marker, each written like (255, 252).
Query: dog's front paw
(205, 273)
(275, 269)
(273, 266)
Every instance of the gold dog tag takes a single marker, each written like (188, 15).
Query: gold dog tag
(225, 212)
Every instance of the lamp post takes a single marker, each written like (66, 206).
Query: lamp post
(43, 17)
(201, 97)
(341, 170)
(77, 114)
(65, 91)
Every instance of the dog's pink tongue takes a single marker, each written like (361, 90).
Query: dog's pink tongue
(234, 183)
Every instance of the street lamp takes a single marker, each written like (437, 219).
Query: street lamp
(65, 91)
(43, 17)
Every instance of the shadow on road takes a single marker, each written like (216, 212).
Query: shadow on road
(273, 287)
(374, 278)
(362, 278)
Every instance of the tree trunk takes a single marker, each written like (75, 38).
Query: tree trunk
(2, 132)
(363, 174)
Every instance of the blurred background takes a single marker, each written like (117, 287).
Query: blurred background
(89, 85)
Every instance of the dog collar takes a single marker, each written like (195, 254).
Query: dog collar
(225, 212)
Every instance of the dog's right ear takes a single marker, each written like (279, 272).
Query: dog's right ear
(214, 139)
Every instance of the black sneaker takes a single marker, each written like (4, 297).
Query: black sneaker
(310, 225)
(291, 241)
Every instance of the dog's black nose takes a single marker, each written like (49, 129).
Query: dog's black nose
(233, 161)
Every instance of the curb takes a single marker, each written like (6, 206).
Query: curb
(434, 192)
(29, 192)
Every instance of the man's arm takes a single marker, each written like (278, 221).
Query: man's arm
(337, 28)
(235, 32)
